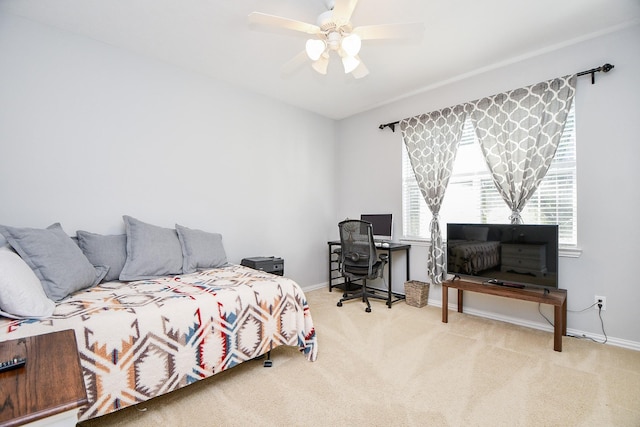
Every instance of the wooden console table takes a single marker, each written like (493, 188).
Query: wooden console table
(49, 389)
(556, 297)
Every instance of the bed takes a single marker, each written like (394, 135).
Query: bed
(144, 338)
(471, 257)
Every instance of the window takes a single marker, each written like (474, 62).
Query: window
(472, 197)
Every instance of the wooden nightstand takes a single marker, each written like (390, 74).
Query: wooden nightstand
(49, 389)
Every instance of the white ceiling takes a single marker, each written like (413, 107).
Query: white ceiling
(213, 37)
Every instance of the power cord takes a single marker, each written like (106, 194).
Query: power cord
(545, 317)
(599, 304)
(601, 324)
(585, 309)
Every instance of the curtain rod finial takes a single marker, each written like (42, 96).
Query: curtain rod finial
(607, 67)
(389, 125)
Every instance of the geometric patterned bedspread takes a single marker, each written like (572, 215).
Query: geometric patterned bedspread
(140, 339)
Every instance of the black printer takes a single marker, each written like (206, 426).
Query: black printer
(268, 264)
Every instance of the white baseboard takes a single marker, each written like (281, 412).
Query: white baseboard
(317, 286)
(619, 342)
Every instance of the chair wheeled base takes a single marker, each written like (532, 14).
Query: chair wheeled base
(364, 295)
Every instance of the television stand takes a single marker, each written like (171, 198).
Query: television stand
(555, 297)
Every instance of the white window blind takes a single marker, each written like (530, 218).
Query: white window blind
(471, 196)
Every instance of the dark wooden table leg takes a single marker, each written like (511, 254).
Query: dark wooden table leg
(564, 317)
(558, 321)
(445, 303)
(459, 300)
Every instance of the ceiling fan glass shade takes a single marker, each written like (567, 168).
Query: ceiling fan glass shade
(321, 64)
(314, 48)
(360, 71)
(350, 63)
(351, 44)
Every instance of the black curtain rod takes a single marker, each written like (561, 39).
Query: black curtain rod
(605, 69)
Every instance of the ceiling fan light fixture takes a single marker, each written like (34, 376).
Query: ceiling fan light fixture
(334, 40)
(321, 64)
(350, 63)
(351, 44)
(334, 32)
(315, 48)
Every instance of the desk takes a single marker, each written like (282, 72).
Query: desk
(556, 297)
(49, 389)
(338, 280)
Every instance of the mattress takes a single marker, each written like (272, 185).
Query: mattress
(141, 339)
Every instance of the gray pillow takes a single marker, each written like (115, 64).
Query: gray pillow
(21, 293)
(200, 250)
(58, 262)
(110, 251)
(152, 251)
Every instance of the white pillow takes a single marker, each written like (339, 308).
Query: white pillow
(21, 293)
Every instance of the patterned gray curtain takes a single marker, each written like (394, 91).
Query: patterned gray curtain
(432, 141)
(519, 132)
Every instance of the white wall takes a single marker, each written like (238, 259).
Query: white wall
(608, 197)
(89, 132)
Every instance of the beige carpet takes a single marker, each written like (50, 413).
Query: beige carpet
(404, 367)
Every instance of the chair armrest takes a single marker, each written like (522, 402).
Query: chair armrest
(384, 259)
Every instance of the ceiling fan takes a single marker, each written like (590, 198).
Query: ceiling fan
(335, 33)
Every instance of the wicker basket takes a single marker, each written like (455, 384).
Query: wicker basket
(416, 293)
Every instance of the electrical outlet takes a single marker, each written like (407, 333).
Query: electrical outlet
(600, 300)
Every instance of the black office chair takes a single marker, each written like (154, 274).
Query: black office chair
(359, 260)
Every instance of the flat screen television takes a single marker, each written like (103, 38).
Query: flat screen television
(518, 255)
(382, 225)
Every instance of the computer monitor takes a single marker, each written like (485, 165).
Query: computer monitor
(382, 225)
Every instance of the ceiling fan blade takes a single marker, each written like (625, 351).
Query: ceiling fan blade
(321, 64)
(360, 71)
(390, 31)
(294, 63)
(342, 10)
(259, 18)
